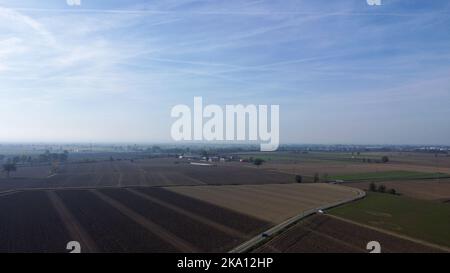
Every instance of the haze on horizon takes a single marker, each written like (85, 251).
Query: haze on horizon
(110, 71)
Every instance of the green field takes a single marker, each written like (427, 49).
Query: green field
(424, 220)
(388, 175)
(287, 157)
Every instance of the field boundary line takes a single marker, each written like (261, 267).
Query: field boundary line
(167, 236)
(16, 190)
(401, 236)
(119, 183)
(194, 216)
(259, 239)
(72, 225)
(9, 192)
(198, 181)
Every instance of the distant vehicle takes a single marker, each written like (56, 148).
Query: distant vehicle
(265, 235)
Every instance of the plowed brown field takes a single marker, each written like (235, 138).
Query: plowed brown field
(273, 202)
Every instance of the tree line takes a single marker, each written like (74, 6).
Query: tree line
(47, 157)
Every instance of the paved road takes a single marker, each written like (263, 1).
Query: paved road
(245, 247)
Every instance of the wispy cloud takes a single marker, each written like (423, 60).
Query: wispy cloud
(131, 60)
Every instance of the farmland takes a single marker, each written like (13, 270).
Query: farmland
(325, 234)
(186, 127)
(117, 220)
(413, 175)
(424, 220)
(434, 189)
(388, 175)
(30, 224)
(110, 230)
(150, 219)
(397, 159)
(217, 214)
(151, 172)
(175, 222)
(170, 205)
(336, 164)
(273, 203)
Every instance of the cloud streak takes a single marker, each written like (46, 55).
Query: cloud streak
(132, 60)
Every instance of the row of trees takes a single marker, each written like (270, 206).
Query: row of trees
(384, 159)
(8, 168)
(316, 178)
(19, 159)
(45, 157)
(51, 157)
(258, 161)
(381, 188)
(255, 161)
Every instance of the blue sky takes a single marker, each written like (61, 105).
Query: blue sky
(341, 71)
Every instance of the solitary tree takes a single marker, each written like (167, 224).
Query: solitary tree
(204, 153)
(9, 167)
(55, 167)
(382, 188)
(316, 177)
(298, 178)
(393, 191)
(64, 156)
(258, 161)
(372, 187)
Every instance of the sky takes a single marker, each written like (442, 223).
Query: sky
(343, 72)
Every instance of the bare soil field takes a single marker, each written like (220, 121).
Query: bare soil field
(111, 230)
(152, 219)
(322, 234)
(150, 172)
(232, 219)
(339, 168)
(272, 202)
(438, 190)
(119, 220)
(179, 224)
(396, 158)
(36, 171)
(339, 163)
(219, 174)
(415, 158)
(29, 223)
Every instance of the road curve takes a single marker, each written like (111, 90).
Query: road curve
(259, 239)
